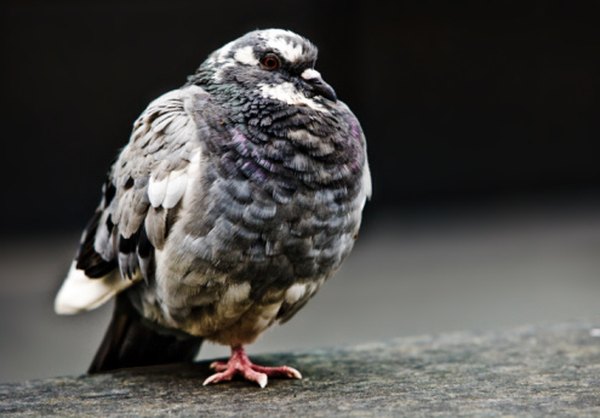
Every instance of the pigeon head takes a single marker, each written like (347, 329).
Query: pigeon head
(273, 63)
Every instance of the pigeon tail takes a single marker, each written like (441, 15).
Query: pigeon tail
(131, 341)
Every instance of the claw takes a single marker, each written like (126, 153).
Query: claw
(216, 378)
(262, 380)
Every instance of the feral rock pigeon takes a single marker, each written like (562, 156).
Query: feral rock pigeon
(236, 198)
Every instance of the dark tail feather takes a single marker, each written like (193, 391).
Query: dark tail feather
(129, 342)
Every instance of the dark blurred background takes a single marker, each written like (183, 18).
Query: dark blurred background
(481, 120)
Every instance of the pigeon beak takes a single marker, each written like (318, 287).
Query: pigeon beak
(317, 85)
(321, 88)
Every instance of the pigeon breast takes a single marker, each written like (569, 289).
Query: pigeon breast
(271, 208)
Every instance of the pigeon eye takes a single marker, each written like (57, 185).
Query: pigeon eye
(270, 62)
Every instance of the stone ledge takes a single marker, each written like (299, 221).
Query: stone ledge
(539, 371)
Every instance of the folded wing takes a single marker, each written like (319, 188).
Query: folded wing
(139, 201)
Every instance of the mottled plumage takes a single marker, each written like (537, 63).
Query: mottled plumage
(237, 196)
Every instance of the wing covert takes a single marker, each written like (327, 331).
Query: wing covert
(139, 199)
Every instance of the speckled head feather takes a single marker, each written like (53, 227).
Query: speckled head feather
(236, 69)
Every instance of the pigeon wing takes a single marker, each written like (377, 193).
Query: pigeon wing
(139, 200)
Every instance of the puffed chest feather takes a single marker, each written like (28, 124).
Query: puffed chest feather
(253, 257)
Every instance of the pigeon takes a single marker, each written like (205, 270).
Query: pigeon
(238, 195)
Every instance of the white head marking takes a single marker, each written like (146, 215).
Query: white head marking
(287, 93)
(245, 55)
(310, 74)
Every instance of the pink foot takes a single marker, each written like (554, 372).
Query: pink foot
(239, 363)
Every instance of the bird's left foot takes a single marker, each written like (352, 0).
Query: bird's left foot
(239, 363)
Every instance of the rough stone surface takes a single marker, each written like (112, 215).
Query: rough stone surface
(530, 371)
